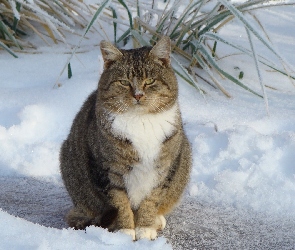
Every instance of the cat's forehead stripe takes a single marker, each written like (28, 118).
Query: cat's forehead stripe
(136, 59)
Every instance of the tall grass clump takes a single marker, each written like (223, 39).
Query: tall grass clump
(46, 18)
(194, 29)
(193, 26)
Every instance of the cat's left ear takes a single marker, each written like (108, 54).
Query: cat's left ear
(109, 53)
(161, 51)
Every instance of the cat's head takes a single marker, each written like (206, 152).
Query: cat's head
(138, 80)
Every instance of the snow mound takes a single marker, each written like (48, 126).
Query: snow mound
(21, 234)
(243, 167)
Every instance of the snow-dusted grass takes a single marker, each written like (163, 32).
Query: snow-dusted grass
(242, 157)
(44, 18)
(194, 28)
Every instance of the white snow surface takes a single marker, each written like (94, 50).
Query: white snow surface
(241, 157)
(21, 234)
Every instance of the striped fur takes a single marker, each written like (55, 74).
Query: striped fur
(127, 160)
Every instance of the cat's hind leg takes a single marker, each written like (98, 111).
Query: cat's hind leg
(78, 219)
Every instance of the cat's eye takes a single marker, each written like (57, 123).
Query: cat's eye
(149, 81)
(125, 82)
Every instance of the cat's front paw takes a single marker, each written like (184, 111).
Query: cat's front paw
(130, 232)
(160, 222)
(145, 233)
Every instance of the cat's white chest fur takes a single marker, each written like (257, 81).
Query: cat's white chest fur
(147, 133)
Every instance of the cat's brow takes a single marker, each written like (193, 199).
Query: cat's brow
(124, 79)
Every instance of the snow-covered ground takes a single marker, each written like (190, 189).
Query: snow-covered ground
(244, 160)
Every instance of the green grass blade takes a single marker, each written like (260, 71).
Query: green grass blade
(15, 20)
(182, 17)
(7, 49)
(212, 62)
(137, 8)
(139, 38)
(128, 12)
(124, 36)
(278, 70)
(11, 27)
(159, 28)
(211, 16)
(114, 23)
(214, 49)
(185, 78)
(160, 25)
(11, 37)
(188, 26)
(227, 75)
(215, 20)
(242, 18)
(241, 75)
(210, 73)
(258, 70)
(216, 37)
(95, 16)
(70, 74)
(212, 19)
(138, 12)
(162, 21)
(187, 75)
(207, 19)
(244, 50)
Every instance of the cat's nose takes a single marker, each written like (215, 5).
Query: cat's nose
(138, 96)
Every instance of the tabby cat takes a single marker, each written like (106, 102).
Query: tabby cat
(126, 161)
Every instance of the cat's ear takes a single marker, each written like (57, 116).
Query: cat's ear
(109, 53)
(161, 51)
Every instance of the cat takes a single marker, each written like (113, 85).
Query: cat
(127, 160)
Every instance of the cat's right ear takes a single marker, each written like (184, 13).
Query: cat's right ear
(109, 53)
(161, 51)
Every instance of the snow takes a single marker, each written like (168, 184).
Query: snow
(18, 235)
(242, 159)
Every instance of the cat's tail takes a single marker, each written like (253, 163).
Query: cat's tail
(79, 219)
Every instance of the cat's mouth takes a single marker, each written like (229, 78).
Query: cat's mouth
(137, 103)
(140, 107)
